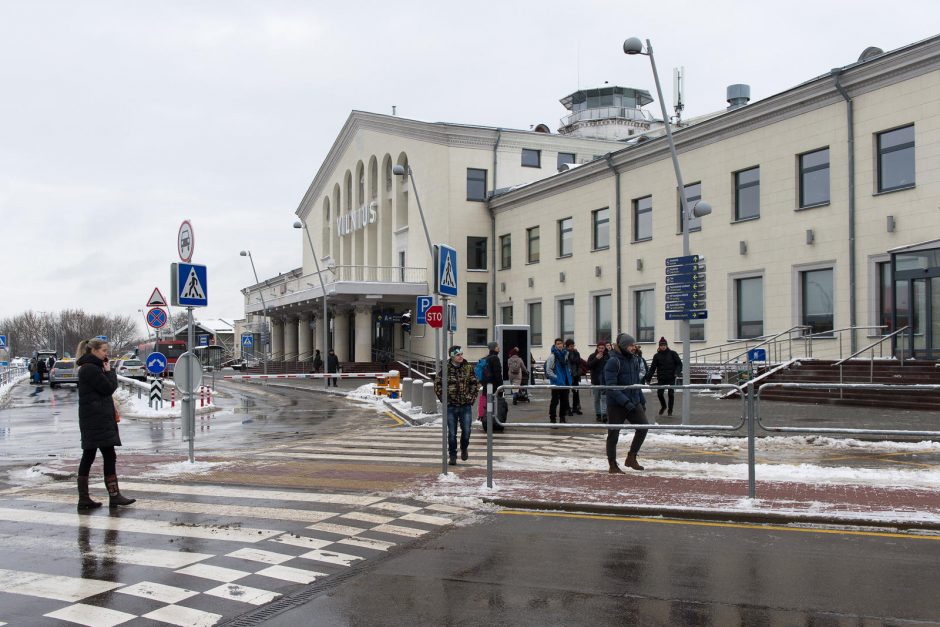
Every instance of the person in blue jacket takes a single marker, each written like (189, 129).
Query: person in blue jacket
(623, 368)
(558, 373)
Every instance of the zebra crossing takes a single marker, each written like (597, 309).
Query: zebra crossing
(422, 446)
(188, 554)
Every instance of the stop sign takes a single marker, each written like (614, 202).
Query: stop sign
(435, 316)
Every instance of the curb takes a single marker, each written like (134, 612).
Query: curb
(717, 515)
(411, 419)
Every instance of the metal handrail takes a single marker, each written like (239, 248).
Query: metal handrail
(770, 339)
(873, 345)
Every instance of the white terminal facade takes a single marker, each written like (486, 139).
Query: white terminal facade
(808, 228)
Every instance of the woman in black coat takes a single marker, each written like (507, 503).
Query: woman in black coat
(97, 422)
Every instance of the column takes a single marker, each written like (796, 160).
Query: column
(277, 339)
(290, 339)
(303, 338)
(363, 333)
(341, 332)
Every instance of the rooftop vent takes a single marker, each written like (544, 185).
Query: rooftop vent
(870, 53)
(738, 95)
(542, 128)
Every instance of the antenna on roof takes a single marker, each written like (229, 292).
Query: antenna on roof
(678, 95)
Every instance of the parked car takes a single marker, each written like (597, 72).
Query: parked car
(63, 371)
(132, 369)
(245, 364)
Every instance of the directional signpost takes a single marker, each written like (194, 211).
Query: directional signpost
(103, 338)
(3, 341)
(248, 340)
(685, 288)
(445, 264)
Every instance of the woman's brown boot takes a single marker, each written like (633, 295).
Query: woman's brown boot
(84, 499)
(631, 462)
(114, 492)
(614, 469)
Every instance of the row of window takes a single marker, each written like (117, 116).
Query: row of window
(476, 177)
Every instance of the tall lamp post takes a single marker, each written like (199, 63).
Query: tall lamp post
(634, 46)
(326, 330)
(267, 322)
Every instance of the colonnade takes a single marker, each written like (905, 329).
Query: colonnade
(297, 337)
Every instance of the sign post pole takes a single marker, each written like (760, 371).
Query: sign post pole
(446, 360)
(190, 405)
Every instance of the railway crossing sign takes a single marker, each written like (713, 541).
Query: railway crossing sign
(156, 363)
(435, 317)
(189, 285)
(156, 318)
(185, 241)
(156, 298)
(446, 270)
(423, 304)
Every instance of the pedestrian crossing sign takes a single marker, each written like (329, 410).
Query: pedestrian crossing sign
(446, 270)
(189, 285)
(3, 341)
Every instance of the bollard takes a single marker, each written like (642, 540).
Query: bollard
(429, 399)
(173, 396)
(202, 396)
(417, 393)
(208, 396)
(406, 388)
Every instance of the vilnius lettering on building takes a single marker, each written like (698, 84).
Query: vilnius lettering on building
(357, 219)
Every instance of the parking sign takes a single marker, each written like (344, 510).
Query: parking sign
(423, 304)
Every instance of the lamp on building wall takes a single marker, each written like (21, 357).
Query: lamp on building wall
(639, 264)
(891, 224)
(531, 282)
(633, 46)
(742, 247)
(326, 327)
(264, 357)
(597, 270)
(810, 236)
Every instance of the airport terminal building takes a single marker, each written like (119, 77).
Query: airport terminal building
(826, 216)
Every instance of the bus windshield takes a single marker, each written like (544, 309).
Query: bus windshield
(171, 351)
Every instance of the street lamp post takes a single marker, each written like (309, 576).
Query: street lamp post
(634, 46)
(326, 331)
(267, 322)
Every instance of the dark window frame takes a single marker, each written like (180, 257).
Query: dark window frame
(471, 252)
(474, 310)
(481, 336)
(827, 326)
(637, 212)
(534, 329)
(739, 189)
(881, 152)
(596, 223)
(474, 172)
(561, 237)
(739, 321)
(560, 162)
(804, 171)
(530, 152)
(502, 313)
(599, 333)
(529, 239)
(562, 332)
(646, 334)
(505, 251)
(695, 224)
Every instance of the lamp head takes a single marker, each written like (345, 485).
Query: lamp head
(398, 170)
(243, 253)
(632, 46)
(298, 225)
(701, 208)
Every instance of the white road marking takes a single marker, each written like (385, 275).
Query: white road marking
(215, 573)
(367, 517)
(366, 543)
(331, 557)
(245, 594)
(395, 507)
(449, 509)
(246, 493)
(342, 530)
(422, 459)
(399, 531)
(288, 573)
(57, 587)
(258, 555)
(120, 553)
(302, 541)
(183, 616)
(424, 518)
(91, 615)
(135, 525)
(158, 592)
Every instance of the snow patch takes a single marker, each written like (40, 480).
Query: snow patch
(34, 475)
(132, 407)
(175, 469)
(7, 388)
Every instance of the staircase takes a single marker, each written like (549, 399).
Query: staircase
(888, 372)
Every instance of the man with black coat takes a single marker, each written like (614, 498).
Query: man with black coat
(492, 374)
(332, 365)
(574, 364)
(667, 365)
(595, 364)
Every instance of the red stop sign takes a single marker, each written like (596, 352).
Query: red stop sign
(435, 316)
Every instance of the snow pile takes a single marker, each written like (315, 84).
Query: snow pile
(175, 469)
(132, 407)
(7, 389)
(34, 475)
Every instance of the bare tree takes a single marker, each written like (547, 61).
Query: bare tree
(31, 331)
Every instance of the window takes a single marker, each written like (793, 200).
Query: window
(602, 326)
(531, 158)
(476, 299)
(600, 219)
(565, 157)
(883, 278)
(749, 298)
(696, 330)
(644, 312)
(896, 159)
(817, 298)
(566, 318)
(505, 314)
(814, 178)
(505, 252)
(643, 219)
(476, 337)
(693, 192)
(476, 184)
(565, 228)
(747, 194)
(476, 253)
(535, 323)
(532, 244)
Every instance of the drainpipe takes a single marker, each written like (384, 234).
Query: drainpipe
(499, 137)
(850, 123)
(618, 237)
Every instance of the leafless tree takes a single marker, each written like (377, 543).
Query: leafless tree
(62, 331)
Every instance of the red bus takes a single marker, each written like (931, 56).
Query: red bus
(171, 349)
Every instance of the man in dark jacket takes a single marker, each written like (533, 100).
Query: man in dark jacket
(595, 364)
(623, 368)
(332, 365)
(492, 374)
(574, 364)
(667, 365)
(462, 386)
(317, 361)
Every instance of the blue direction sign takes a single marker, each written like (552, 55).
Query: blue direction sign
(688, 305)
(248, 340)
(189, 285)
(757, 354)
(695, 299)
(156, 317)
(103, 338)
(203, 340)
(687, 315)
(156, 363)
(687, 268)
(452, 318)
(678, 261)
(696, 291)
(3, 341)
(446, 270)
(691, 277)
(421, 307)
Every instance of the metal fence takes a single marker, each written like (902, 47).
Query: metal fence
(9, 373)
(750, 416)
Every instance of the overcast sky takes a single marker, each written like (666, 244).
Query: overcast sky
(120, 119)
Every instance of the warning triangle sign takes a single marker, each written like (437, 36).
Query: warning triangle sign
(156, 299)
(447, 278)
(193, 288)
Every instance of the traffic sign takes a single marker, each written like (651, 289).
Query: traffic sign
(185, 241)
(203, 340)
(678, 261)
(423, 304)
(686, 305)
(757, 354)
(156, 298)
(452, 317)
(695, 291)
(435, 316)
(698, 314)
(248, 340)
(691, 277)
(3, 341)
(686, 268)
(188, 373)
(155, 363)
(687, 298)
(103, 338)
(446, 270)
(189, 285)
(156, 318)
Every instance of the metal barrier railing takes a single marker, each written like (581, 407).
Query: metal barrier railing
(9, 373)
(750, 417)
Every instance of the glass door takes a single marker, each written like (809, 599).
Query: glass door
(925, 317)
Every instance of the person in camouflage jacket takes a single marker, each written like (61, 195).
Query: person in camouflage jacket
(462, 390)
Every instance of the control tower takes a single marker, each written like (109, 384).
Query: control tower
(609, 112)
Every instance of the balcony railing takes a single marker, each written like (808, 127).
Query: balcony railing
(607, 113)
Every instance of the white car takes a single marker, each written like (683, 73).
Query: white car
(132, 369)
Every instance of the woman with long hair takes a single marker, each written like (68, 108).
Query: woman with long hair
(97, 421)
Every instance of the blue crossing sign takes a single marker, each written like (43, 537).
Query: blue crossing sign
(452, 317)
(156, 363)
(189, 285)
(156, 318)
(757, 354)
(248, 340)
(421, 308)
(3, 341)
(446, 265)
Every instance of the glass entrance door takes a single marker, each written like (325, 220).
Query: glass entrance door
(925, 317)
